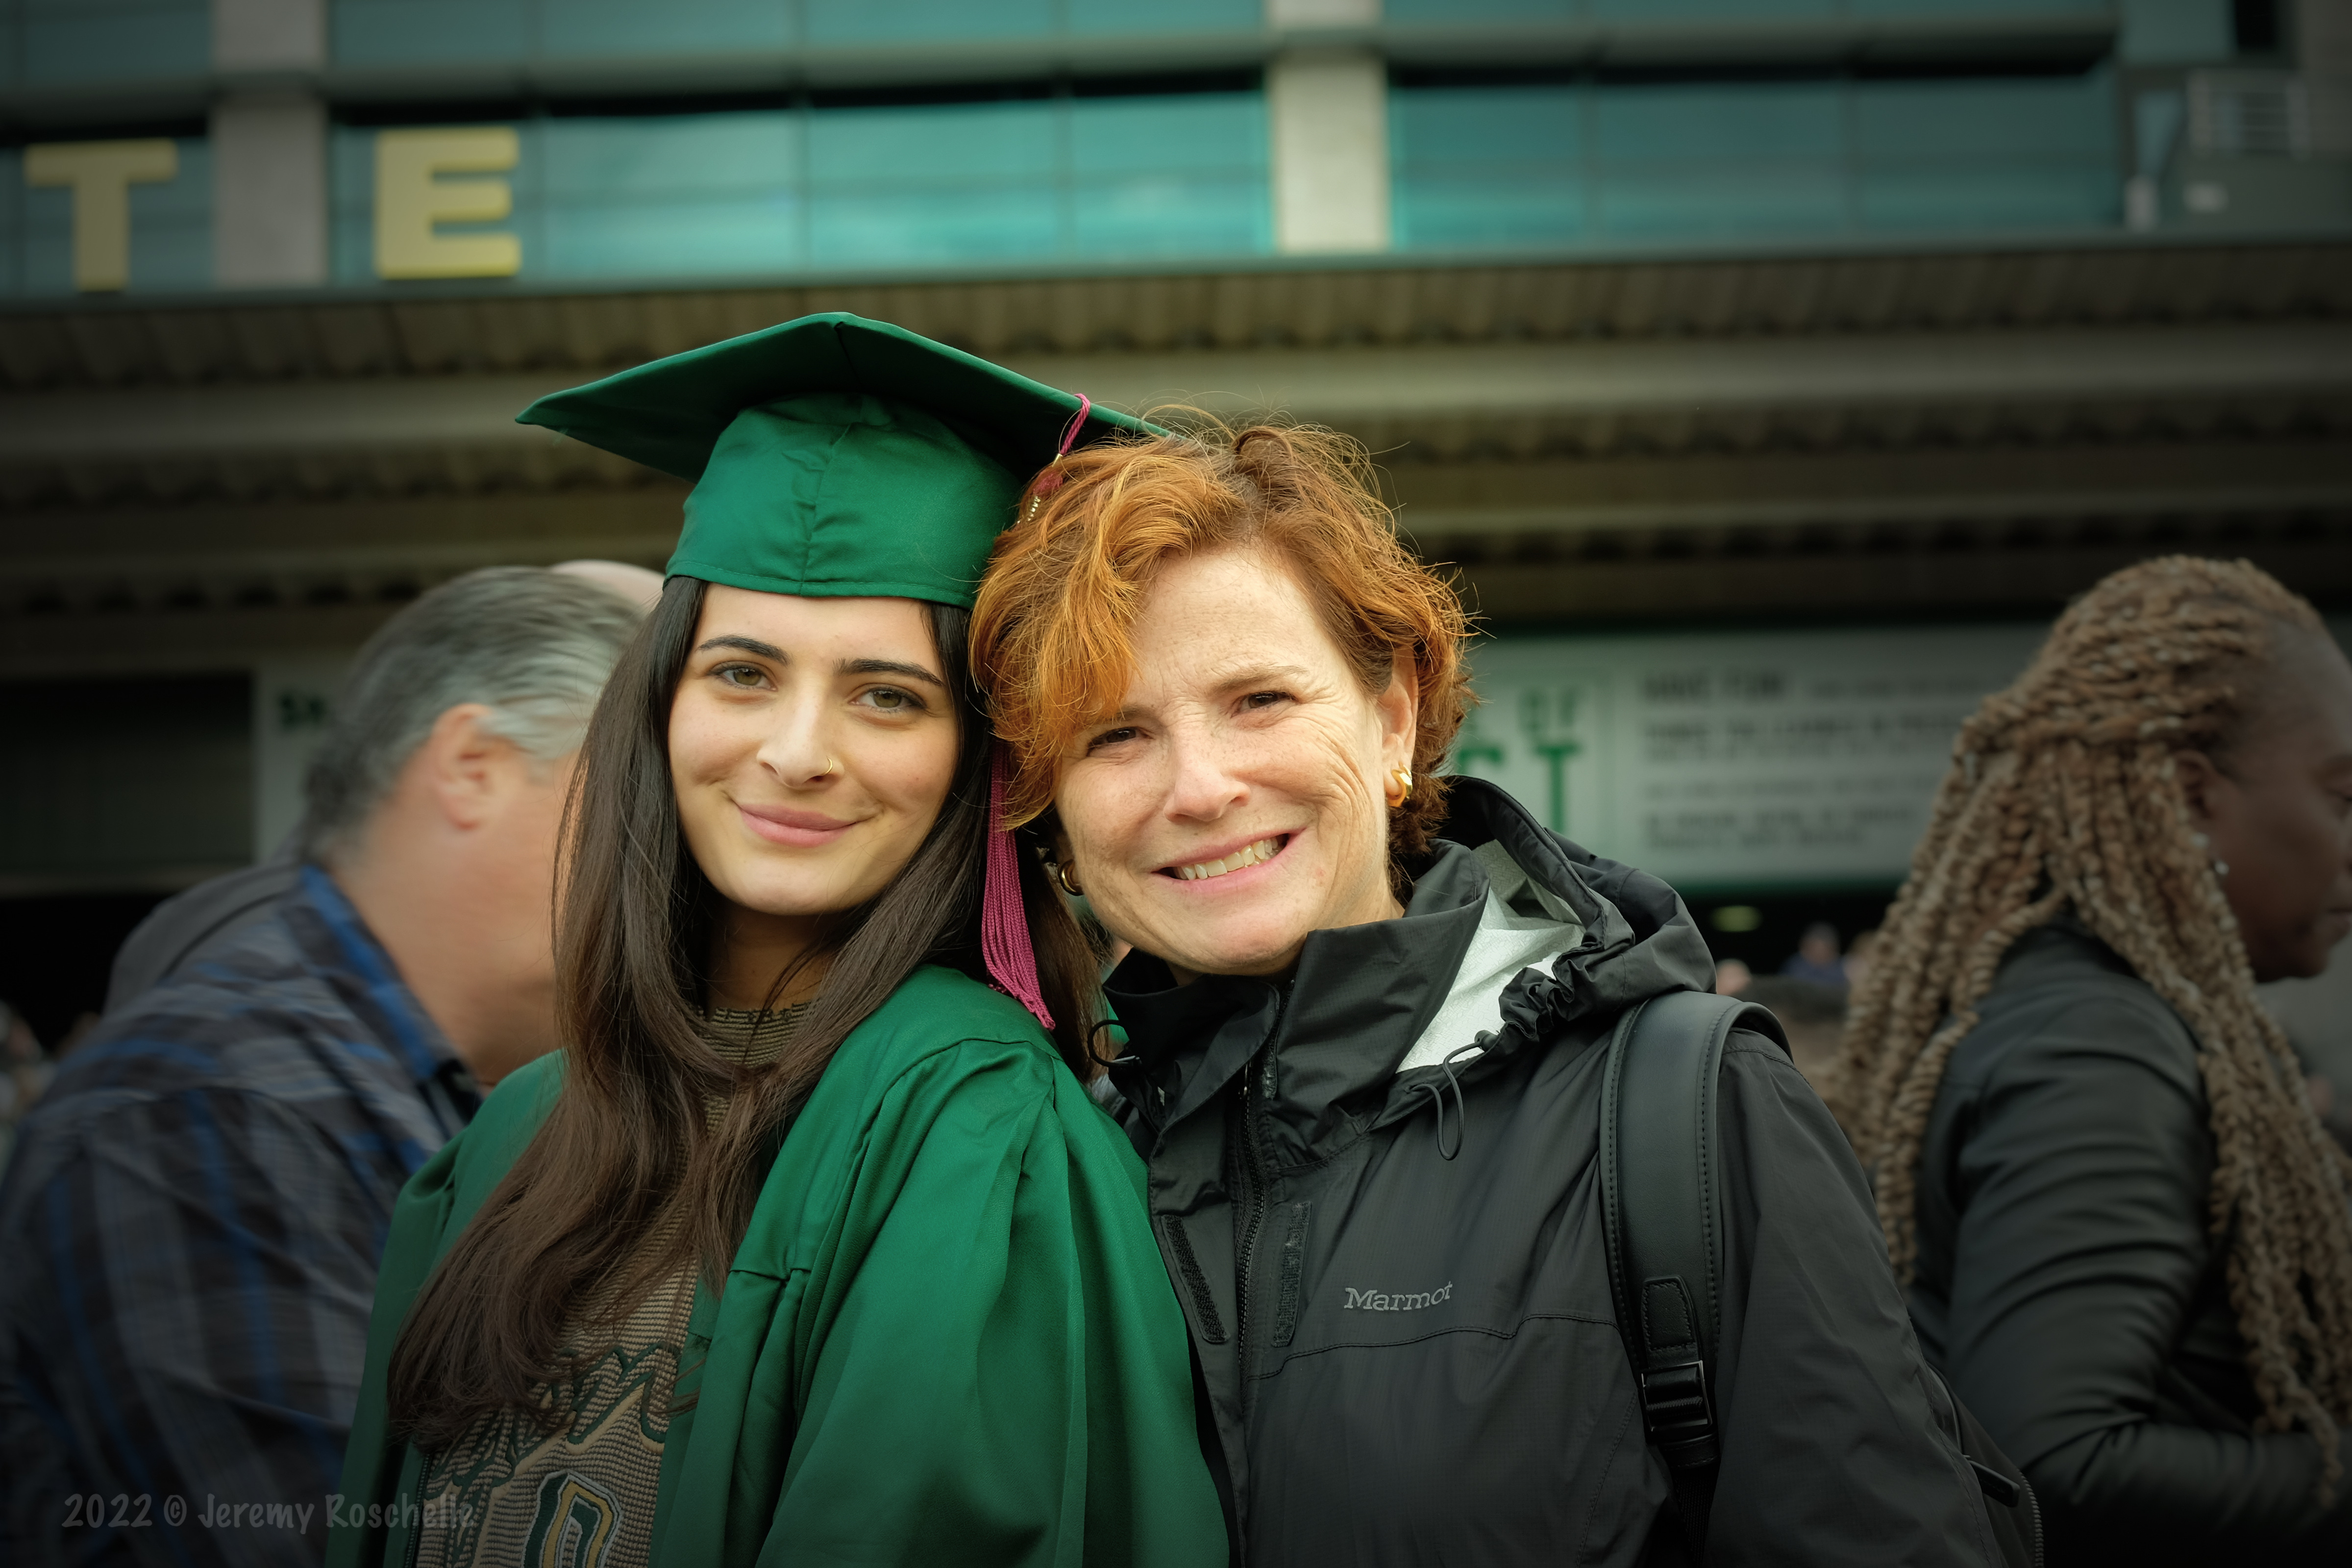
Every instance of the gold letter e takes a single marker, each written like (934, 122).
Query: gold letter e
(410, 198)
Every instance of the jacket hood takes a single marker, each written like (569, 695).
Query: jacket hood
(1337, 1028)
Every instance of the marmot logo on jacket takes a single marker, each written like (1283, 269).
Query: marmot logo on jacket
(1374, 1302)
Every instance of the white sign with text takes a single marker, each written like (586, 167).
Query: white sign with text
(1744, 761)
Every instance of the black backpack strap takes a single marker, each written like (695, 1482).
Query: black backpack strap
(1662, 1212)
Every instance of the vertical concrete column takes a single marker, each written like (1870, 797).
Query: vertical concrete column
(269, 145)
(1327, 123)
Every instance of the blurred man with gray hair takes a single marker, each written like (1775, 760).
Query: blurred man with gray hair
(193, 1212)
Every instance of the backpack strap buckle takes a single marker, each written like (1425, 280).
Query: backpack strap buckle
(1678, 1414)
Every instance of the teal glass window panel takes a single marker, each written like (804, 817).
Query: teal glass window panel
(775, 190)
(1724, 198)
(73, 41)
(1748, 122)
(2029, 153)
(1714, 10)
(2019, 195)
(1169, 175)
(427, 32)
(606, 28)
(46, 245)
(1429, 12)
(1718, 159)
(1164, 215)
(1426, 11)
(945, 224)
(1727, 160)
(1970, 9)
(916, 21)
(1483, 211)
(1472, 127)
(1487, 166)
(692, 156)
(351, 205)
(2035, 118)
(2175, 32)
(934, 185)
(696, 195)
(171, 230)
(934, 143)
(1101, 16)
(678, 239)
(172, 225)
(1218, 130)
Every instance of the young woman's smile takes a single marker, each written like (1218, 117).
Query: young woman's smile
(805, 830)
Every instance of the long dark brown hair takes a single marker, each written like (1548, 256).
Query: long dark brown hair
(632, 1178)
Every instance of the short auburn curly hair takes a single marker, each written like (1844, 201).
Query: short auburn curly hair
(1052, 634)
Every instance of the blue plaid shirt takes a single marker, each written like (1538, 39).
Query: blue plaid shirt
(190, 1224)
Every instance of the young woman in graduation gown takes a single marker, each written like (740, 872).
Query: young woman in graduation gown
(810, 1247)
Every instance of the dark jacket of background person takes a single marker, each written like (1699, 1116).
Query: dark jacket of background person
(1425, 1364)
(2070, 1285)
(206, 1188)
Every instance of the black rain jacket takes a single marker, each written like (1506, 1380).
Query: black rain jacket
(2069, 1284)
(1410, 1359)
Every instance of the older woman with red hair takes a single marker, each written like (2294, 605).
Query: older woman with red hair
(1367, 1017)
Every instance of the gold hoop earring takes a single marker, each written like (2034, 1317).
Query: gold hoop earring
(1404, 778)
(1062, 875)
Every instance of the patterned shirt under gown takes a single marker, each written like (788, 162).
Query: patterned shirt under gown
(507, 1493)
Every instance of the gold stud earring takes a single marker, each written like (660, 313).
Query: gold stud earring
(1404, 778)
(1062, 875)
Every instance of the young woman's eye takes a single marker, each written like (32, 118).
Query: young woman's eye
(742, 675)
(891, 700)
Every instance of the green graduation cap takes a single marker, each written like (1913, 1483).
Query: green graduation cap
(835, 457)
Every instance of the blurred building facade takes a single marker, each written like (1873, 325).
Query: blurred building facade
(1667, 315)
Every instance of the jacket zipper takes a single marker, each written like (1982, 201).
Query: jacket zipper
(1256, 1177)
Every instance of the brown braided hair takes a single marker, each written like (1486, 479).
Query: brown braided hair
(2061, 798)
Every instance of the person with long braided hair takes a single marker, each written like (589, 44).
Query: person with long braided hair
(2126, 1236)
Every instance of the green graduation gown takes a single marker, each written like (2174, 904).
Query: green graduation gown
(947, 1336)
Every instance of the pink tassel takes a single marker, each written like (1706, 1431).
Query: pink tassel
(1077, 423)
(1003, 922)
